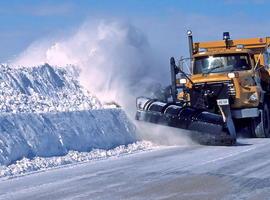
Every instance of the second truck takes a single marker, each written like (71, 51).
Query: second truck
(227, 91)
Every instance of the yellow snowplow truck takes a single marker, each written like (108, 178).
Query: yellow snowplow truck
(226, 91)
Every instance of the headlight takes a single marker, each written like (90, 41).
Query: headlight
(183, 81)
(231, 75)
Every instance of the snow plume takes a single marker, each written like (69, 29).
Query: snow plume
(117, 64)
(163, 135)
(115, 59)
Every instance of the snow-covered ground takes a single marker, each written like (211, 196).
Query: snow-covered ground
(195, 172)
(26, 165)
(44, 112)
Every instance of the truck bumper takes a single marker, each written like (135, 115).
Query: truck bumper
(245, 113)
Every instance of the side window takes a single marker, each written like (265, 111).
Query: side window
(267, 58)
(252, 60)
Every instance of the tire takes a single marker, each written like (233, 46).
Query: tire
(260, 126)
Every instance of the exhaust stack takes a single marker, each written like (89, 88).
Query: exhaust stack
(190, 43)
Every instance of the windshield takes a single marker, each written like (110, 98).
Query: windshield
(221, 63)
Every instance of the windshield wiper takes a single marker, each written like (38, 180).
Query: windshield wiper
(212, 69)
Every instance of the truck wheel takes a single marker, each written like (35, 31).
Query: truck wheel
(260, 126)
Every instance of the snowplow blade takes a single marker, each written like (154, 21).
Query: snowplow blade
(205, 127)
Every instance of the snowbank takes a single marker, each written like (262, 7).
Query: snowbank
(73, 157)
(51, 134)
(43, 89)
(44, 111)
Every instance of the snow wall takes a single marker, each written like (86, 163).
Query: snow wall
(45, 112)
(51, 134)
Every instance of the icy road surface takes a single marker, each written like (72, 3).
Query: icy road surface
(194, 172)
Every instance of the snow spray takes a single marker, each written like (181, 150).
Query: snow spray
(116, 63)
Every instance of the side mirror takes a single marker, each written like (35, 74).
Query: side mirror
(185, 65)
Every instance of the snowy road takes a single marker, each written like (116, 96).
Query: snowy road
(194, 172)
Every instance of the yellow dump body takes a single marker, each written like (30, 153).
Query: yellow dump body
(251, 43)
(256, 45)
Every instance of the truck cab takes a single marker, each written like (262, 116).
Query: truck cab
(231, 72)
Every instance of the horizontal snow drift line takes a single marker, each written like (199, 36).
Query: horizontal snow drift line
(54, 134)
(27, 165)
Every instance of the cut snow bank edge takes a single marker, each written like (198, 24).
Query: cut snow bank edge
(27, 165)
(55, 134)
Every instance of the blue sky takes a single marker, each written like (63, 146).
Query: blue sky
(163, 21)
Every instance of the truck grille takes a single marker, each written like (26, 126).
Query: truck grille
(205, 95)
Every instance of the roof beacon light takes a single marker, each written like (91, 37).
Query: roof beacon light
(226, 36)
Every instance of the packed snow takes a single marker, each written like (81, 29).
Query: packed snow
(51, 134)
(27, 165)
(43, 89)
(45, 112)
